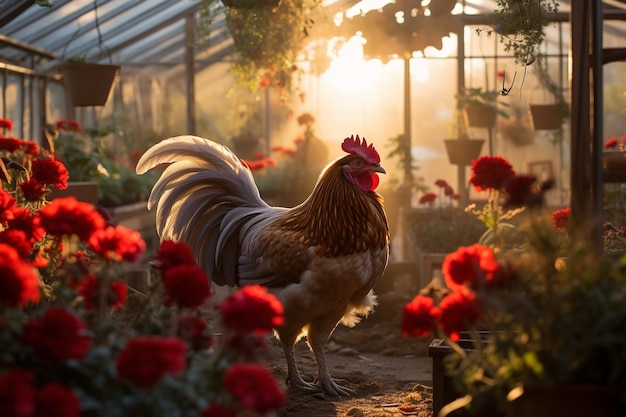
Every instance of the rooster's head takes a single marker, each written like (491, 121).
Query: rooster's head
(363, 163)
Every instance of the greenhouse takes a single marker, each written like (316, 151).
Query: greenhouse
(474, 115)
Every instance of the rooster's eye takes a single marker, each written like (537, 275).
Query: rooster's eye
(358, 163)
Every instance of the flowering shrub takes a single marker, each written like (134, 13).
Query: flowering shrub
(75, 340)
(545, 313)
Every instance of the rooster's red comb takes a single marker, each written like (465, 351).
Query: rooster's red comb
(355, 146)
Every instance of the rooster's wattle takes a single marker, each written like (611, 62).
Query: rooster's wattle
(321, 258)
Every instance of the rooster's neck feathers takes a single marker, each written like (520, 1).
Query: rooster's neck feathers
(338, 218)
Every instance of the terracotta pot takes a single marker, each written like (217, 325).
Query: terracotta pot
(88, 84)
(477, 115)
(463, 151)
(546, 116)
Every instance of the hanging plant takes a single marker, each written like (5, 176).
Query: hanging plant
(268, 40)
(520, 25)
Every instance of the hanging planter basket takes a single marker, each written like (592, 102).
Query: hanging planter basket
(478, 115)
(88, 84)
(463, 151)
(546, 116)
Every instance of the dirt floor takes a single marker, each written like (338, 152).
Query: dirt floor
(392, 375)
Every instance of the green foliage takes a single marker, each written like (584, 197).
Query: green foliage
(87, 159)
(520, 25)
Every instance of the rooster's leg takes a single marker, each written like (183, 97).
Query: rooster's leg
(294, 379)
(317, 338)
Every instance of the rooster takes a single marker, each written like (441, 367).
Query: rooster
(321, 258)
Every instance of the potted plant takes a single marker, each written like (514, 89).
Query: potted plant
(552, 115)
(480, 108)
(536, 328)
(267, 42)
(520, 23)
(516, 129)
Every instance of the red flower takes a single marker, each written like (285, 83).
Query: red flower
(520, 191)
(57, 336)
(19, 283)
(55, 400)
(18, 241)
(185, 286)
(6, 124)
(69, 125)
(490, 172)
(89, 290)
(468, 265)
(427, 198)
(194, 331)
(458, 309)
(305, 119)
(420, 316)
(32, 189)
(172, 253)
(9, 144)
(50, 171)
(441, 183)
(118, 243)
(25, 221)
(265, 81)
(253, 387)
(30, 147)
(17, 395)
(147, 359)
(252, 309)
(611, 143)
(448, 191)
(7, 206)
(68, 216)
(560, 218)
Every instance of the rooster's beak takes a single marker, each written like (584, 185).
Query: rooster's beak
(378, 168)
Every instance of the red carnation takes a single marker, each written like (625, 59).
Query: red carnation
(17, 395)
(441, 183)
(30, 147)
(7, 206)
(17, 240)
(24, 220)
(50, 171)
(611, 143)
(186, 286)
(490, 172)
(172, 253)
(458, 309)
(68, 216)
(89, 290)
(19, 284)
(55, 400)
(253, 387)
(420, 316)
(427, 198)
(6, 124)
(252, 309)
(9, 144)
(57, 336)
(468, 265)
(448, 191)
(32, 189)
(147, 359)
(520, 191)
(118, 243)
(560, 218)
(70, 125)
